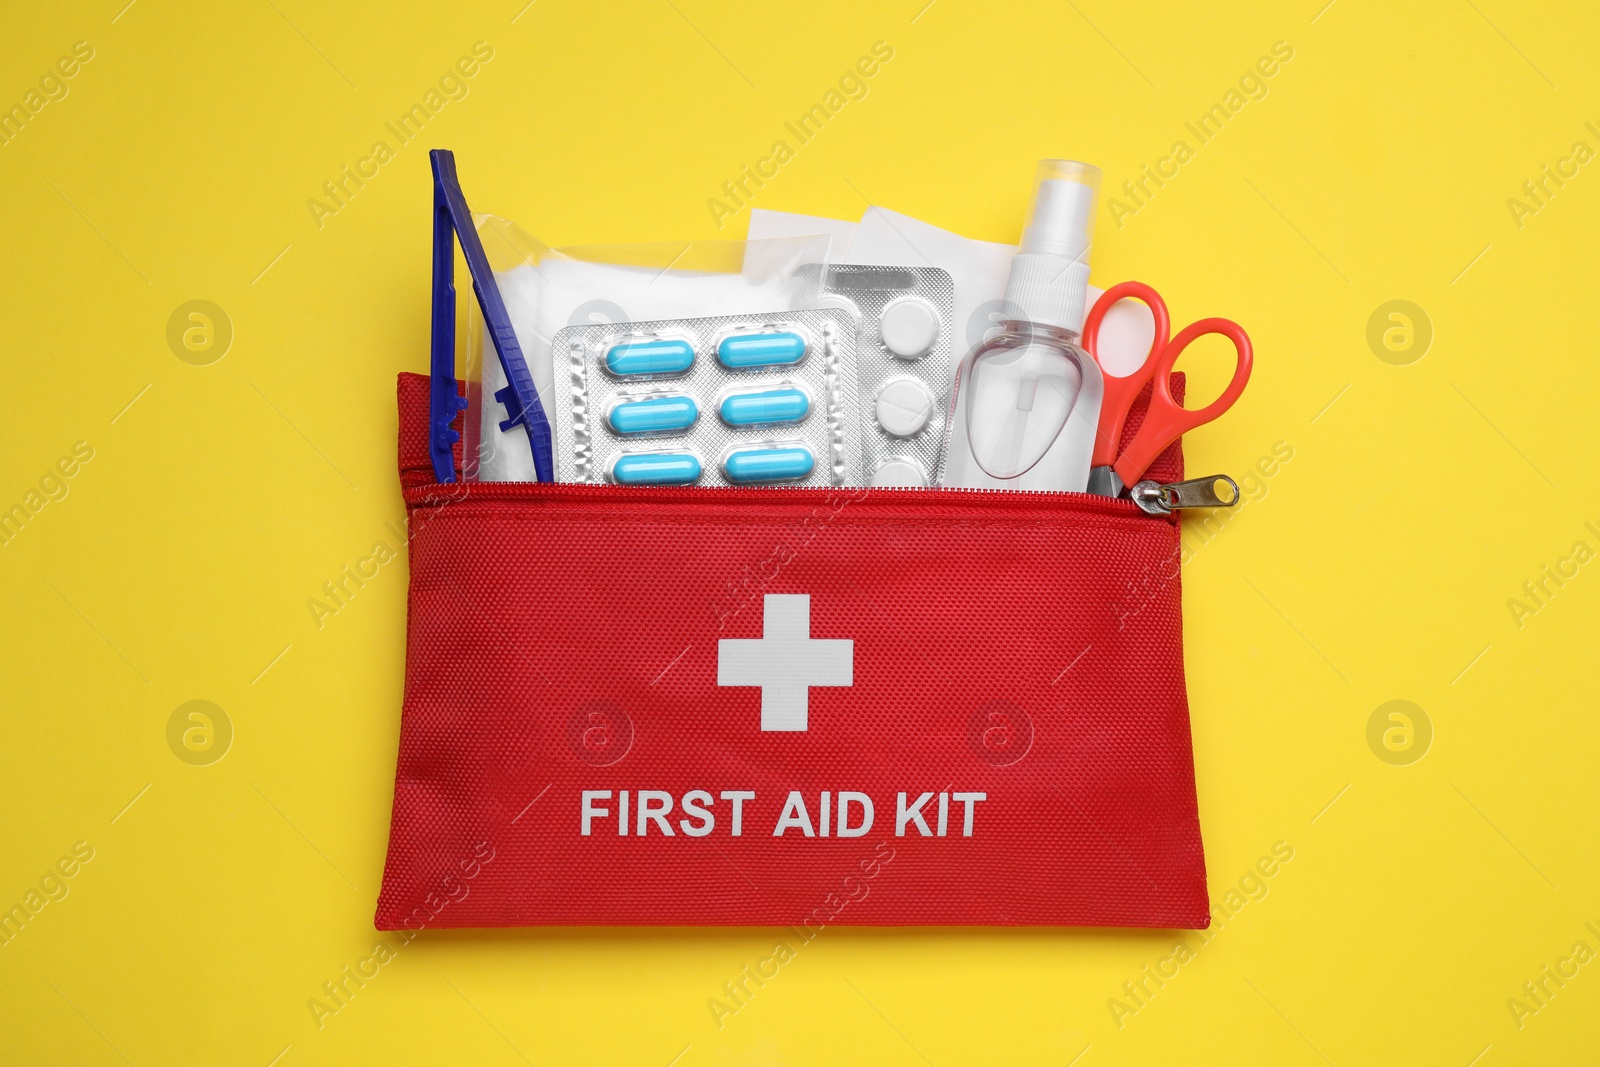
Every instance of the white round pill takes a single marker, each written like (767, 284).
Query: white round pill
(903, 407)
(908, 327)
(898, 472)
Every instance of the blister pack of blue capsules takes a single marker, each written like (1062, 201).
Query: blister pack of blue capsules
(731, 400)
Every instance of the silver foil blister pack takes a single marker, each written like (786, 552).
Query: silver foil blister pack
(730, 400)
(904, 338)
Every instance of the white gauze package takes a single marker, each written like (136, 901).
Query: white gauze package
(585, 286)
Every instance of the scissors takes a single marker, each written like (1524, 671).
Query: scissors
(1166, 420)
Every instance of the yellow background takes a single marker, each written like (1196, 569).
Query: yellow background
(1378, 566)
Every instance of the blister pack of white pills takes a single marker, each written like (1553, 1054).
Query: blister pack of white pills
(731, 400)
(904, 334)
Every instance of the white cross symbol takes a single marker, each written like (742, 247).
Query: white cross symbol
(785, 662)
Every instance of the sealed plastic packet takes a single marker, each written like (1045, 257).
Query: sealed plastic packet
(545, 290)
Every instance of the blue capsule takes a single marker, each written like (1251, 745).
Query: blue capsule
(779, 348)
(658, 357)
(655, 468)
(765, 408)
(781, 464)
(653, 414)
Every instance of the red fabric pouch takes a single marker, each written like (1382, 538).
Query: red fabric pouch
(789, 706)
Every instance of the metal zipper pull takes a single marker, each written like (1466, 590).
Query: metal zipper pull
(1160, 499)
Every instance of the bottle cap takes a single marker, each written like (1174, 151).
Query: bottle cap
(1050, 275)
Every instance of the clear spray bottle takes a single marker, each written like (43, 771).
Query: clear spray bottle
(1025, 403)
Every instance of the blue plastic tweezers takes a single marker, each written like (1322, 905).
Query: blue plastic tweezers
(452, 221)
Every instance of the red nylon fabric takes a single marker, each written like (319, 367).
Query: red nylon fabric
(565, 638)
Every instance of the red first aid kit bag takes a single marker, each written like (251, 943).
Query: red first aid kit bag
(767, 706)
(783, 706)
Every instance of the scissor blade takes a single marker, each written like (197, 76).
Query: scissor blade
(1103, 481)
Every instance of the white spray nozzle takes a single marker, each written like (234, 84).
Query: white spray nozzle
(1061, 219)
(1050, 274)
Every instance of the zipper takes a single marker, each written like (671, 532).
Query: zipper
(1146, 498)
(1159, 499)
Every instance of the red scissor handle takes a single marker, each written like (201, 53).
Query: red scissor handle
(1167, 420)
(1120, 392)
